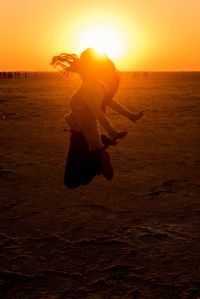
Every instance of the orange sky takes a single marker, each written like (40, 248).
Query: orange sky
(154, 35)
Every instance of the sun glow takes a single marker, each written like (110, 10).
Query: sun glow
(108, 33)
(104, 39)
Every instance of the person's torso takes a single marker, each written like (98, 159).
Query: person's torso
(81, 100)
(82, 117)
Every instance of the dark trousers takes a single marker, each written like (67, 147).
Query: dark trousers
(82, 165)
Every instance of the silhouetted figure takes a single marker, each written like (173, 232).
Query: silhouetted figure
(136, 74)
(87, 155)
(4, 75)
(10, 75)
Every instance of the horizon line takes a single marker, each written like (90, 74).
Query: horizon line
(123, 71)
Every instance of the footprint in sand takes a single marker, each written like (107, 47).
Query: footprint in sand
(168, 186)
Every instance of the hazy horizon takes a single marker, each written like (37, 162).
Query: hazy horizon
(122, 71)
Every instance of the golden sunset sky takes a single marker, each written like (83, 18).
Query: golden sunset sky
(142, 35)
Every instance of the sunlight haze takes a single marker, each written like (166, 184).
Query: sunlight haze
(140, 35)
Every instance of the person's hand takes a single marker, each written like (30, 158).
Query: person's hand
(107, 141)
(134, 117)
(120, 135)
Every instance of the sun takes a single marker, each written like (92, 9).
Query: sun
(104, 39)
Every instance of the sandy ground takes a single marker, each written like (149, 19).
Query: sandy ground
(136, 237)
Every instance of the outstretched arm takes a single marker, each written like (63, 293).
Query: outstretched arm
(119, 108)
(124, 111)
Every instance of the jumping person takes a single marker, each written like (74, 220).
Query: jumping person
(87, 155)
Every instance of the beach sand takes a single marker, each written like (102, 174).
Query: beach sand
(135, 237)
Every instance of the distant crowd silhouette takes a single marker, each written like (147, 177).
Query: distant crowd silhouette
(13, 75)
(22, 75)
(140, 74)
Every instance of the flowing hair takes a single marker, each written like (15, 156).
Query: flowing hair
(65, 63)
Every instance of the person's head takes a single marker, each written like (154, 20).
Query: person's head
(91, 65)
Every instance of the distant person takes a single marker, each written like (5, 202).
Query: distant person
(10, 75)
(87, 155)
(5, 75)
